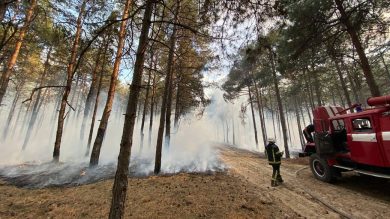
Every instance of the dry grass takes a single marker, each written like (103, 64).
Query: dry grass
(217, 195)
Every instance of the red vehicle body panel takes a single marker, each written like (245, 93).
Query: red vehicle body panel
(384, 135)
(368, 145)
(321, 117)
(364, 146)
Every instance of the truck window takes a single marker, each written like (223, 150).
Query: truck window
(338, 124)
(362, 125)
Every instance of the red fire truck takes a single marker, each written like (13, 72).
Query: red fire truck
(351, 141)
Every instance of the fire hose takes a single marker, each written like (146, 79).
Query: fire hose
(320, 200)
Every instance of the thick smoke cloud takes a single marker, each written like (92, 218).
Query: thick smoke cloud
(194, 146)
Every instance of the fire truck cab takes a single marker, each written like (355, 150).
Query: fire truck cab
(356, 141)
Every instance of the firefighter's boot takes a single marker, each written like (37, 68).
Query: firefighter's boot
(274, 183)
(279, 179)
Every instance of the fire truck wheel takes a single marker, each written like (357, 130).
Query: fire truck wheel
(321, 170)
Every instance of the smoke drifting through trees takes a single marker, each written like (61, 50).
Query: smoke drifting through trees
(60, 59)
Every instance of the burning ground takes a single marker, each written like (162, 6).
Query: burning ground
(241, 191)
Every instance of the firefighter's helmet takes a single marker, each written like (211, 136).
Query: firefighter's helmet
(271, 140)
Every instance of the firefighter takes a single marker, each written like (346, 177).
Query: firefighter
(274, 159)
(307, 133)
(358, 108)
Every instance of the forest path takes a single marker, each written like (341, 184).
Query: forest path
(301, 194)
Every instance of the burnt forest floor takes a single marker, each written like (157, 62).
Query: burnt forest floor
(242, 191)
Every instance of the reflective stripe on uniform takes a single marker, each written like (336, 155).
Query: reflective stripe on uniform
(273, 154)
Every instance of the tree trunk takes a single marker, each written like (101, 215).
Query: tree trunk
(262, 114)
(43, 102)
(168, 113)
(12, 61)
(146, 102)
(70, 74)
(317, 87)
(308, 110)
(96, 105)
(384, 64)
(37, 102)
(164, 105)
(288, 121)
(272, 112)
(178, 105)
(309, 89)
(253, 116)
(260, 107)
(344, 19)
(340, 95)
(171, 84)
(333, 97)
(18, 117)
(280, 106)
(353, 87)
(227, 132)
(233, 132)
(342, 82)
(152, 110)
(6, 27)
(12, 110)
(111, 90)
(72, 102)
(119, 189)
(3, 9)
(81, 100)
(91, 93)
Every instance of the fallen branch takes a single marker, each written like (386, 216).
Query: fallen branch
(39, 88)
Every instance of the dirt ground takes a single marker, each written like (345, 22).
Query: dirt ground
(241, 192)
(352, 196)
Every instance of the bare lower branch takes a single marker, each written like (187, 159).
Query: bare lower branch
(39, 88)
(70, 106)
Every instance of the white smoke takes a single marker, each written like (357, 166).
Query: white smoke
(193, 146)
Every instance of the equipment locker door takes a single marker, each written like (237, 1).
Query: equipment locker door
(384, 135)
(363, 142)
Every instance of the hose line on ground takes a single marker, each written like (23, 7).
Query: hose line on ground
(340, 212)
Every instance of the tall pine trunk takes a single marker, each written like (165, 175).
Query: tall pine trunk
(309, 89)
(353, 86)
(253, 116)
(167, 89)
(146, 102)
(317, 87)
(344, 18)
(38, 101)
(280, 105)
(3, 9)
(68, 87)
(342, 82)
(96, 105)
(272, 112)
(171, 84)
(111, 91)
(151, 114)
(92, 92)
(385, 65)
(11, 113)
(178, 105)
(119, 189)
(259, 102)
(12, 60)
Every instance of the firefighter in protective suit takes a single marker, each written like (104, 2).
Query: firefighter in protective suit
(274, 159)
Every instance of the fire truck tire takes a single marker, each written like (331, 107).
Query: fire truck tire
(321, 170)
